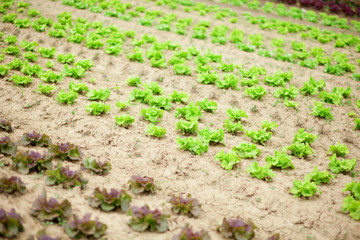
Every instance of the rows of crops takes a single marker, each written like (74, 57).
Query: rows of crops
(208, 114)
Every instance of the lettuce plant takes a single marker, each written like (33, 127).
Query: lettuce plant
(228, 160)
(268, 126)
(85, 228)
(12, 185)
(237, 228)
(320, 111)
(50, 210)
(7, 147)
(188, 206)
(233, 127)
(304, 188)
(190, 112)
(110, 200)
(30, 56)
(96, 167)
(36, 139)
(66, 177)
(66, 151)
(247, 150)
(85, 64)
(26, 162)
(179, 97)
(124, 120)
(133, 81)
(259, 136)
(47, 52)
(15, 64)
(211, 136)
(256, 92)
(21, 80)
(207, 106)
(208, 77)
(182, 69)
(6, 125)
(340, 150)
(286, 93)
(51, 77)
(354, 188)
(11, 223)
(41, 235)
(194, 145)
(78, 87)
(140, 184)
(66, 58)
(137, 55)
(357, 124)
(154, 88)
(301, 150)
(304, 137)
(98, 108)
(187, 233)
(4, 70)
(74, 72)
(280, 160)
(46, 89)
(187, 127)
(236, 114)
(263, 173)
(143, 219)
(152, 114)
(155, 131)
(352, 206)
(319, 177)
(229, 81)
(99, 95)
(66, 97)
(12, 50)
(345, 165)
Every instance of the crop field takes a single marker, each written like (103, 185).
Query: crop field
(179, 119)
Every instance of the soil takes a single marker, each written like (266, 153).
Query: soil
(222, 193)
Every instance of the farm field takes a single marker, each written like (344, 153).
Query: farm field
(229, 117)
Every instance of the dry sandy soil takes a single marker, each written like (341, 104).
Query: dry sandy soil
(222, 193)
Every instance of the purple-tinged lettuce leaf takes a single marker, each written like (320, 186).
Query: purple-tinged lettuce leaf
(36, 139)
(66, 177)
(25, 162)
(66, 151)
(237, 228)
(12, 185)
(140, 184)
(50, 210)
(187, 233)
(6, 125)
(143, 219)
(188, 206)
(96, 167)
(108, 201)
(7, 147)
(85, 228)
(10, 224)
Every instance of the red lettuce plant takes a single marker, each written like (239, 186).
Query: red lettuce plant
(140, 184)
(50, 210)
(85, 228)
(143, 219)
(237, 228)
(188, 206)
(36, 139)
(187, 233)
(41, 235)
(66, 177)
(96, 167)
(26, 162)
(12, 185)
(10, 224)
(109, 201)
(66, 151)
(7, 147)
(6, 125)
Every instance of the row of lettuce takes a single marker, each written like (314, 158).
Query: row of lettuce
(303, 56)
